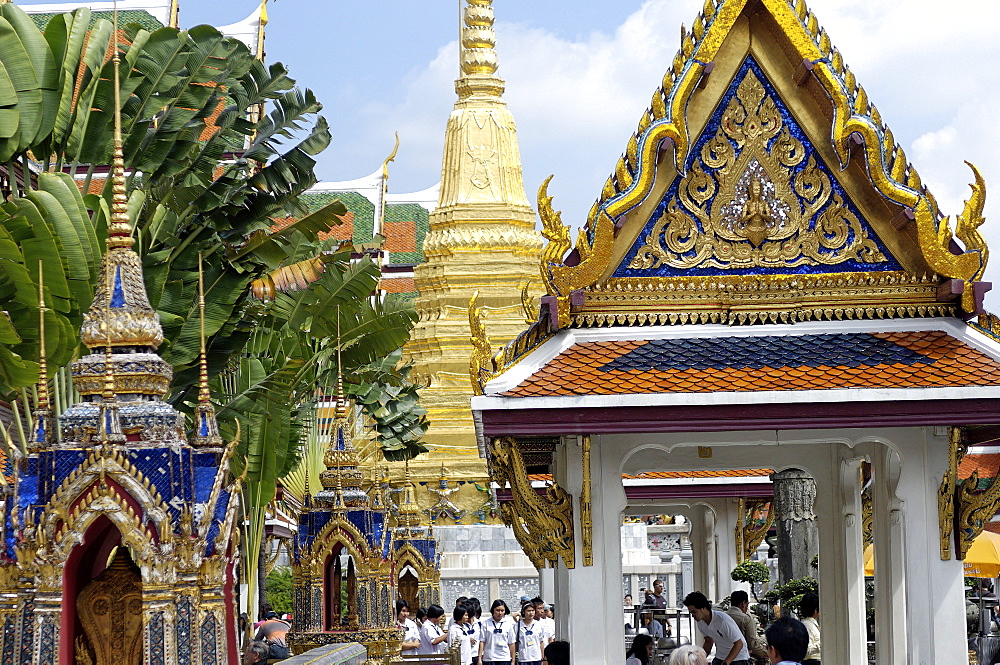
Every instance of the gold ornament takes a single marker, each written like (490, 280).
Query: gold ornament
(543, 526)
(586, 518)
(749, 533)
(742, 207)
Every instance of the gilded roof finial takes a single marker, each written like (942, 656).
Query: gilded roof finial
(478, 57)
(206, 435)
(43, 415)
(342, 479)
(120, 230)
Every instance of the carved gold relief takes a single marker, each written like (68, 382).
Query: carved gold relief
(480, 364)
(742, 206)
(542, 525)
(946, 492)
(110, 609)
(586, 519)
(973, 507)
(755, 519)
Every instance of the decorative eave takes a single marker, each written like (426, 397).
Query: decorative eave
(857, 133)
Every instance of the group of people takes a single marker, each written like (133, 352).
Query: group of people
(500, 638)
(734, 635)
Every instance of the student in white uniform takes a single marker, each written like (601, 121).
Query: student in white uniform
(531, 637)
(497, 646)
(411, 634)
(463, 633)
(432, 638)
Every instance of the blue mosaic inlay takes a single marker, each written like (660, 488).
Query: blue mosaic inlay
(117, 293)
(709, 133)
(836, 350)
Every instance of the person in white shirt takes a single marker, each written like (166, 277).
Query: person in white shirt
(432, 638)
(531, 637)
(463, 633)
(548, 622)
(787, 641)
(809, 611)
(720, 630)
(411, 634)
(497, 646)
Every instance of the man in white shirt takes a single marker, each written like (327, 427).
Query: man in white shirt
(720, 630)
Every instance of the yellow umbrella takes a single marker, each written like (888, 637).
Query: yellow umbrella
(982, 559)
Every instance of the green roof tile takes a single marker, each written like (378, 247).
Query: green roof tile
(145, 19)
(363, 209)
(409, 212)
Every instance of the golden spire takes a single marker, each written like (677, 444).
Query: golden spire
(206, 435)
(479, 62)
(110, 422)
(342, 479)
(43, 420)
(43, 372)
(120, 230)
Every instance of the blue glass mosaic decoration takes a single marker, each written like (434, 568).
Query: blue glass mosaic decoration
(704, 224)
(184, 631)
(117, 292)
(834, 350)
(209, 641)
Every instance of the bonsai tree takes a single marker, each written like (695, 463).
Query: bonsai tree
(753, 573)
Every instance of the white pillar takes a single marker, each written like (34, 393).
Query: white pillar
(725, 552)
(890, 556)
(711, 560)
(589, 597)
(546, 584)
(841, 567)
(934, 589)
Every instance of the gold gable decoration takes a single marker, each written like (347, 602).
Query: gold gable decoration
(759, 201)
(856, 124)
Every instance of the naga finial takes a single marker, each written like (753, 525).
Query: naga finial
(481, 362)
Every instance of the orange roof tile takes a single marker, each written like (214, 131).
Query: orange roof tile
(398, 285)
(735, 473)
(988, 465)
(741, 364)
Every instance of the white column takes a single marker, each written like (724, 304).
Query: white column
(588, 598)
(841, 568)
(935, 613)
(546, 584)
(711, 561)
(890, 556)
(725, 543)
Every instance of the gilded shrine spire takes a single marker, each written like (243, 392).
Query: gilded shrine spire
(206, 428)
(482, 238)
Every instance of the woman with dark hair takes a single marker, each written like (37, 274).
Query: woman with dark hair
(809, 611)
(529, 635)
(475, 620)
(411, 633)
(432, 638)
(421, 616)
(641, 651)
(462, 633)
(498, 643)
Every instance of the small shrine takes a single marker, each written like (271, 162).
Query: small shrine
(120, 530)
(350, 562)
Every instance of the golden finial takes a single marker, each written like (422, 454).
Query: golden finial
(120, 230)
(478, 56)
(340, 406)
(206, 434)
(43, 374)
(203, 394)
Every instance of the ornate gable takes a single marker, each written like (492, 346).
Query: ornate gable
(756, 198)
(761, 186)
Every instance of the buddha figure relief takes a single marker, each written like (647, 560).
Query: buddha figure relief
(757, 220)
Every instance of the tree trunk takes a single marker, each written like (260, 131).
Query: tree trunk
(262, 577)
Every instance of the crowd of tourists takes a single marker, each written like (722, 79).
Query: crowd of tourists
(733, 633)
(526, 637)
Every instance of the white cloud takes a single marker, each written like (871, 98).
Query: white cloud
(926, 66)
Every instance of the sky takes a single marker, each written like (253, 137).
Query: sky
(580, 73)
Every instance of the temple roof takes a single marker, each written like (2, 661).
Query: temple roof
(905, 359)
(759, 166)
(150, 14)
